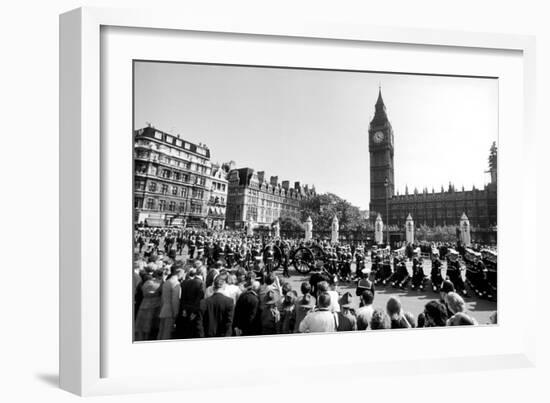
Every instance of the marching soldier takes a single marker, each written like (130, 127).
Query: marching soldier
(418, 275)
(435, 275)
(454, 273)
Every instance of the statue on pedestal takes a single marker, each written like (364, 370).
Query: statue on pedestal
(309, 229)
(409, 230)
(465, 237)
(335, 227)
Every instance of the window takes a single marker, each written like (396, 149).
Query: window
(187, 146)
(172, 206)
(162, 205)
(196, 208)
(197, 193)
(138, 202)
(141, 168)
(175, 190)
(223, 188)
(185, 178)
(179, 143)
(152, 187)
(177, 176)
(169, 139)
(166, 173)
(158, 135)
(150, 204)
(183, 192)
(152, 170)
(182, 207)
(164, 189)
(140, 185)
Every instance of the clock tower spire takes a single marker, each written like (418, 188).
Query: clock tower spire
(381, 160)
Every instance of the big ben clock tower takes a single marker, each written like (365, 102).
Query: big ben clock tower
(381, 160)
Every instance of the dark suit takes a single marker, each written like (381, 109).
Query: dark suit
(247, 313)
(216, 316)
(192, 293)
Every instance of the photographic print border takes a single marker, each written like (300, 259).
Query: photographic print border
(81, 252)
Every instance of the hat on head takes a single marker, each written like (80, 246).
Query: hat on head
(447, 286)
(345, 300)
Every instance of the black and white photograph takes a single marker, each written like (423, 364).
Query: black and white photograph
(277, 201)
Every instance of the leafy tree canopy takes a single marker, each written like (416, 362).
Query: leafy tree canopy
(323, 207)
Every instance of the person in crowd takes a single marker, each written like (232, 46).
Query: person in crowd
(216, 313)
(232, 290)
(192, 293)
(380, 320)
(147, 319)
(461, 319)
(410, 318)
(434, 315)
(270, 314)
(347, 321)
(364, 284)
(170, 303)
(323, 287)
(212, 273)
(395, 313)
(318, 275)
(456, 305)
(210, 289)
(288, 312)
(304, 305)
(200, 268)
(446, 287)
(247, 318)
(365, 311)
(271, 284)
(321, 319)
(240, 275)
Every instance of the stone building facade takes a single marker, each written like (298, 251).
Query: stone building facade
(255, 199)
(215, 218)
(431, 208)
(172, 180)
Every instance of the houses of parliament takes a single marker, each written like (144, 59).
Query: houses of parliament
(428, 207)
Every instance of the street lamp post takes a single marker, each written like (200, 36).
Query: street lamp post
(387, 186)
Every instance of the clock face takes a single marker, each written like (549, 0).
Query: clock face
(378, 137)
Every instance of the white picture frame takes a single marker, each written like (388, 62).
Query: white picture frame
(85, 344)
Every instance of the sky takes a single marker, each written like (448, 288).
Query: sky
(312, 126)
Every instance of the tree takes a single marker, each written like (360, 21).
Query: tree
(290, 224)
(323, 207)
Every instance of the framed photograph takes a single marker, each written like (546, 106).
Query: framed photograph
(319, 190)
